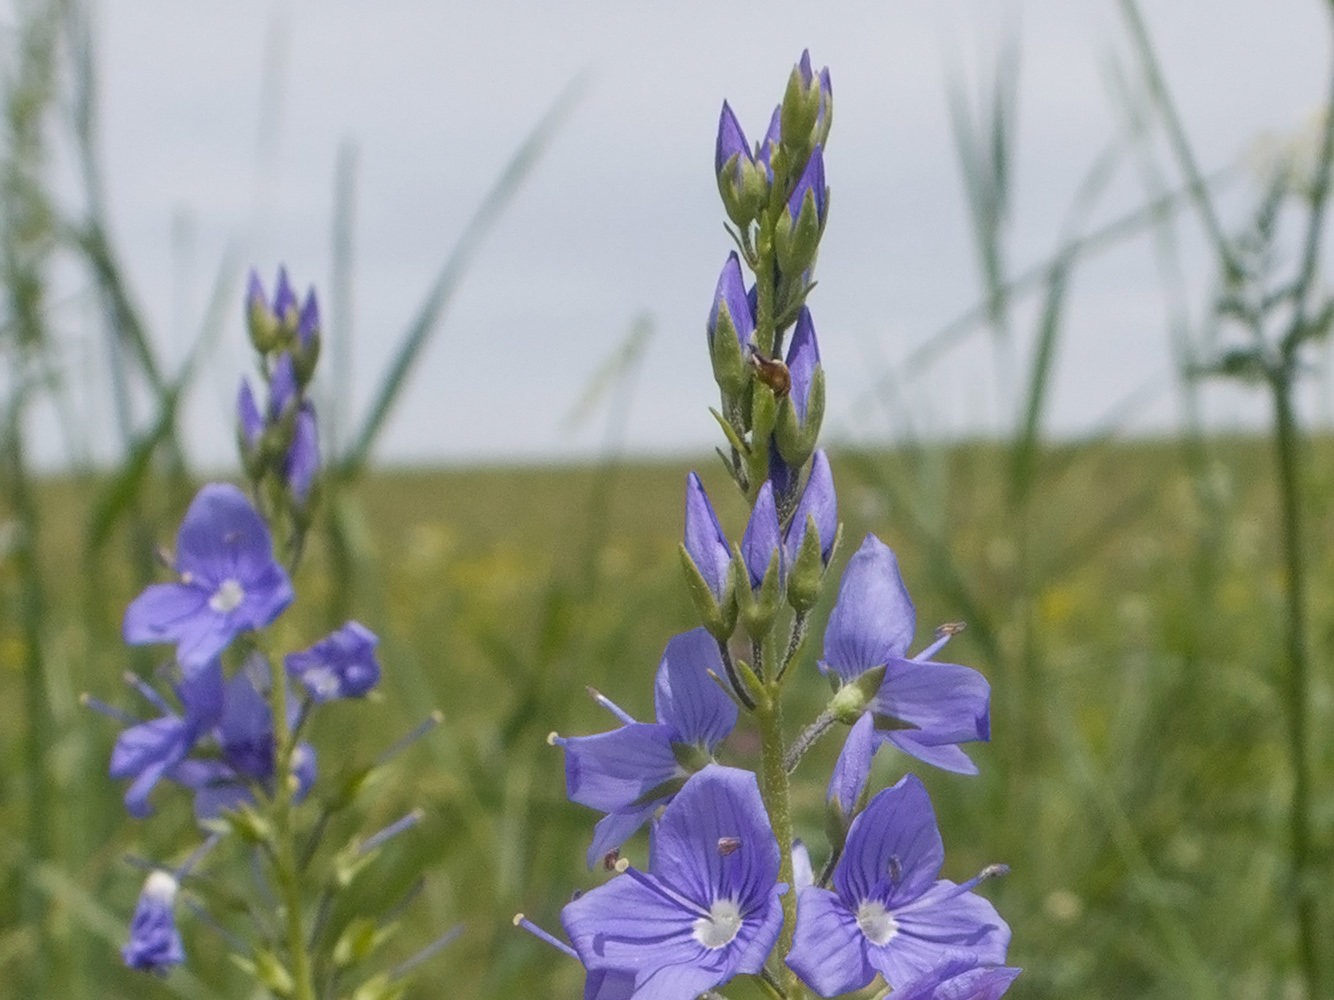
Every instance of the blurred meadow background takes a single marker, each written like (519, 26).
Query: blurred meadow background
(1074, 308)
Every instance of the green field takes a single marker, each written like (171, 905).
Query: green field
(1127, 610)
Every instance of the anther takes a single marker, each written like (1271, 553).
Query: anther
(728, 845)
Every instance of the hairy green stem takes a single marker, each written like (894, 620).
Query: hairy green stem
(769, 718)
(1297, 688)
(286, 870)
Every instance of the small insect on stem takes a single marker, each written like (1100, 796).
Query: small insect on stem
(774, 374)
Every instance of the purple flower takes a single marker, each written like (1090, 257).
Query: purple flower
(283, 388)
(770, 140)
(302, 460)
(928, 707)
(245, 740)
(630, 772)
(960, 979)
(230, 582)
(249, 418)
(708, 908)
(826, 91)
(853, 767)
(284, 298)
(341, 665)
(731, 295)
(303, 457)
(731, 142)
(763, 538)
(888, 912)
(151, 750)
(705, 543)
(818, 501)
(308, 323)
(803, 358)
(801, 412)
(155, 944)
(811, 182)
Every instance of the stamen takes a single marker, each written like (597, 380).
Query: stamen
(521, 921)
(895, 869)
(728, 845)
(989, 872)
(944, 633)
(406, 966)
(610, 706)
(434, 719)
(611, 859)
(389, 832)
(149, 693)
(199, 854)
(110, 711)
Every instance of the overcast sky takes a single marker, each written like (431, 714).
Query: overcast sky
(621, 217)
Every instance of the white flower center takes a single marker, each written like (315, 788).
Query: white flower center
(227, 597)
(720, 926)
(161, 888)
(323, 682)
(876, 922)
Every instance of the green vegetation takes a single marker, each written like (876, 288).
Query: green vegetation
(1137, 784)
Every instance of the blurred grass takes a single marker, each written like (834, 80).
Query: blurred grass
(1142, 808)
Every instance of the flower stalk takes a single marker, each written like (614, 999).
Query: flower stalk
(729, 890)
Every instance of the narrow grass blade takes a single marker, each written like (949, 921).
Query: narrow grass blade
(450, 276)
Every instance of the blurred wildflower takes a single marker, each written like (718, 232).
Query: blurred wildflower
(229, 581)
(149, 751)
(155, 944)
(341, 665)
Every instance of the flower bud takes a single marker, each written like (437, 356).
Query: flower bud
(742, 182)
(797, 235)
(306, 345)
(155, 944)
(801, 412)
(807, 110)
(707, 560)
(731, 323)
(762, 561)
(261, 322)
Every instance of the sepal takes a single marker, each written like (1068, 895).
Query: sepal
(763, 417)
(381, 987)
(797, 239)
(719, 617)
(796, 441)
(247, 823)
(360, 939)
(806, 575)
(851, 699)
(758, 608)
(729, 363)
(269, 971)
(800, 109)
